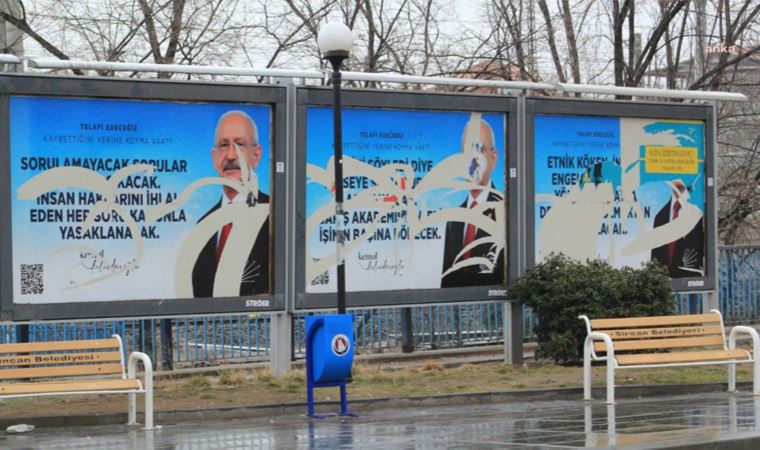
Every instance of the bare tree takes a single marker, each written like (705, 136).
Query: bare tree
(675, 34)
(552, 40)
(733, 25)
(572, 47)
(512, 15)
(165, 32)
(629, 71)
(16, 15)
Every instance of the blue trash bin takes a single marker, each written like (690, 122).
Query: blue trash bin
(329, 354)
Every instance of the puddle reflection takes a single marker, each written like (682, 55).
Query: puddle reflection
(702, 423)
(670, 421)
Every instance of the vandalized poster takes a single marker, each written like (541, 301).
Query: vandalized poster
(424, 199)
(131, 200)
(624, 190)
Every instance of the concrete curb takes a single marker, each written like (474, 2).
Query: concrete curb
(369, 404)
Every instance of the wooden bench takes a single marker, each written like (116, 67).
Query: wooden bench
(665, 341)
(91, 366)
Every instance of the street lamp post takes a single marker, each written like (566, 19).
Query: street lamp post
(335, 41)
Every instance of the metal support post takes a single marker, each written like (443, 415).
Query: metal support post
(281, 323)
(336, 61)
(513, 311)
(22, 333)
(167, 344)
(710, 301)
(407, 331)
(281, 342)
(512, 329)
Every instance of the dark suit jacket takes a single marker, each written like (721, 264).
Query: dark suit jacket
(453, 244)
(256, 274)
(689, 249)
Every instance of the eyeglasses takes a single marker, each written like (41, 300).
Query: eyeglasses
(224, 146)
(480, 148)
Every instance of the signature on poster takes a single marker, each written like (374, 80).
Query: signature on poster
(392, 192)
(108, 195)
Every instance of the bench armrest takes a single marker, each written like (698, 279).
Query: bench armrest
(741, 329)
(147, 387)
(597, 336)
(147, 366)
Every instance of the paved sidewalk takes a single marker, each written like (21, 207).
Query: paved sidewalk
(711, 420)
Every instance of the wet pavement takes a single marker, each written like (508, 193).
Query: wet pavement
(712, 420)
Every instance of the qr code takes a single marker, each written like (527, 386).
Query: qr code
(321, 280)
(31, 278)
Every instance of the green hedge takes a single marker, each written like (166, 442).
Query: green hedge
(560, 289)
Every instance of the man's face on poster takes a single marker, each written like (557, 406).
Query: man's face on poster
(482, 156)
(233, 132)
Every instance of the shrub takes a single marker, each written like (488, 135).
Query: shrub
(561, 289)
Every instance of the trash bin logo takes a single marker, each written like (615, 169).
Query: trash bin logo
(340, 344)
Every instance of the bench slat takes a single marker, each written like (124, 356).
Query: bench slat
(632, 322)
(85, 344)
(69, 386)
(654, 344)
(681, 357)
(59, 358)
(669, 332)
(61, 371)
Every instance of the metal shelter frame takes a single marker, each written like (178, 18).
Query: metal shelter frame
(281, 329)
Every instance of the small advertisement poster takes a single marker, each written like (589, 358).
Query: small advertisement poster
(424, 200)
(132, 200)
(624, 190)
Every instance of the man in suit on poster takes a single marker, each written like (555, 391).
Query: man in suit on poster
(235, 130)
(685, 256)
(482, 156)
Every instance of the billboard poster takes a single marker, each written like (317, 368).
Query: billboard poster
(424, 199)
(134, 200)
(624, 190)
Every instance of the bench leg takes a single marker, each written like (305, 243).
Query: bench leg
(731, 377)
(586, 373)
(610, 383)
(611, 425)
(131, 409)
(756, 377)
(149, 409)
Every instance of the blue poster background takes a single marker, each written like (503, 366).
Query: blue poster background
(596, 170)
(420, 140)
(46, 132)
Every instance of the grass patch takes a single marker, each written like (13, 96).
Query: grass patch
(232, 377)
(265, 378)
(293, 381)
(379, 377)
(196, 384)
(432, 366)
(245, 387)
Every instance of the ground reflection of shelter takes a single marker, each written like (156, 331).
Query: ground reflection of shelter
(703, 423)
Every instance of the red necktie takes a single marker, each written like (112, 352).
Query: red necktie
(469, 234)
(672, 245)
(223, 240)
